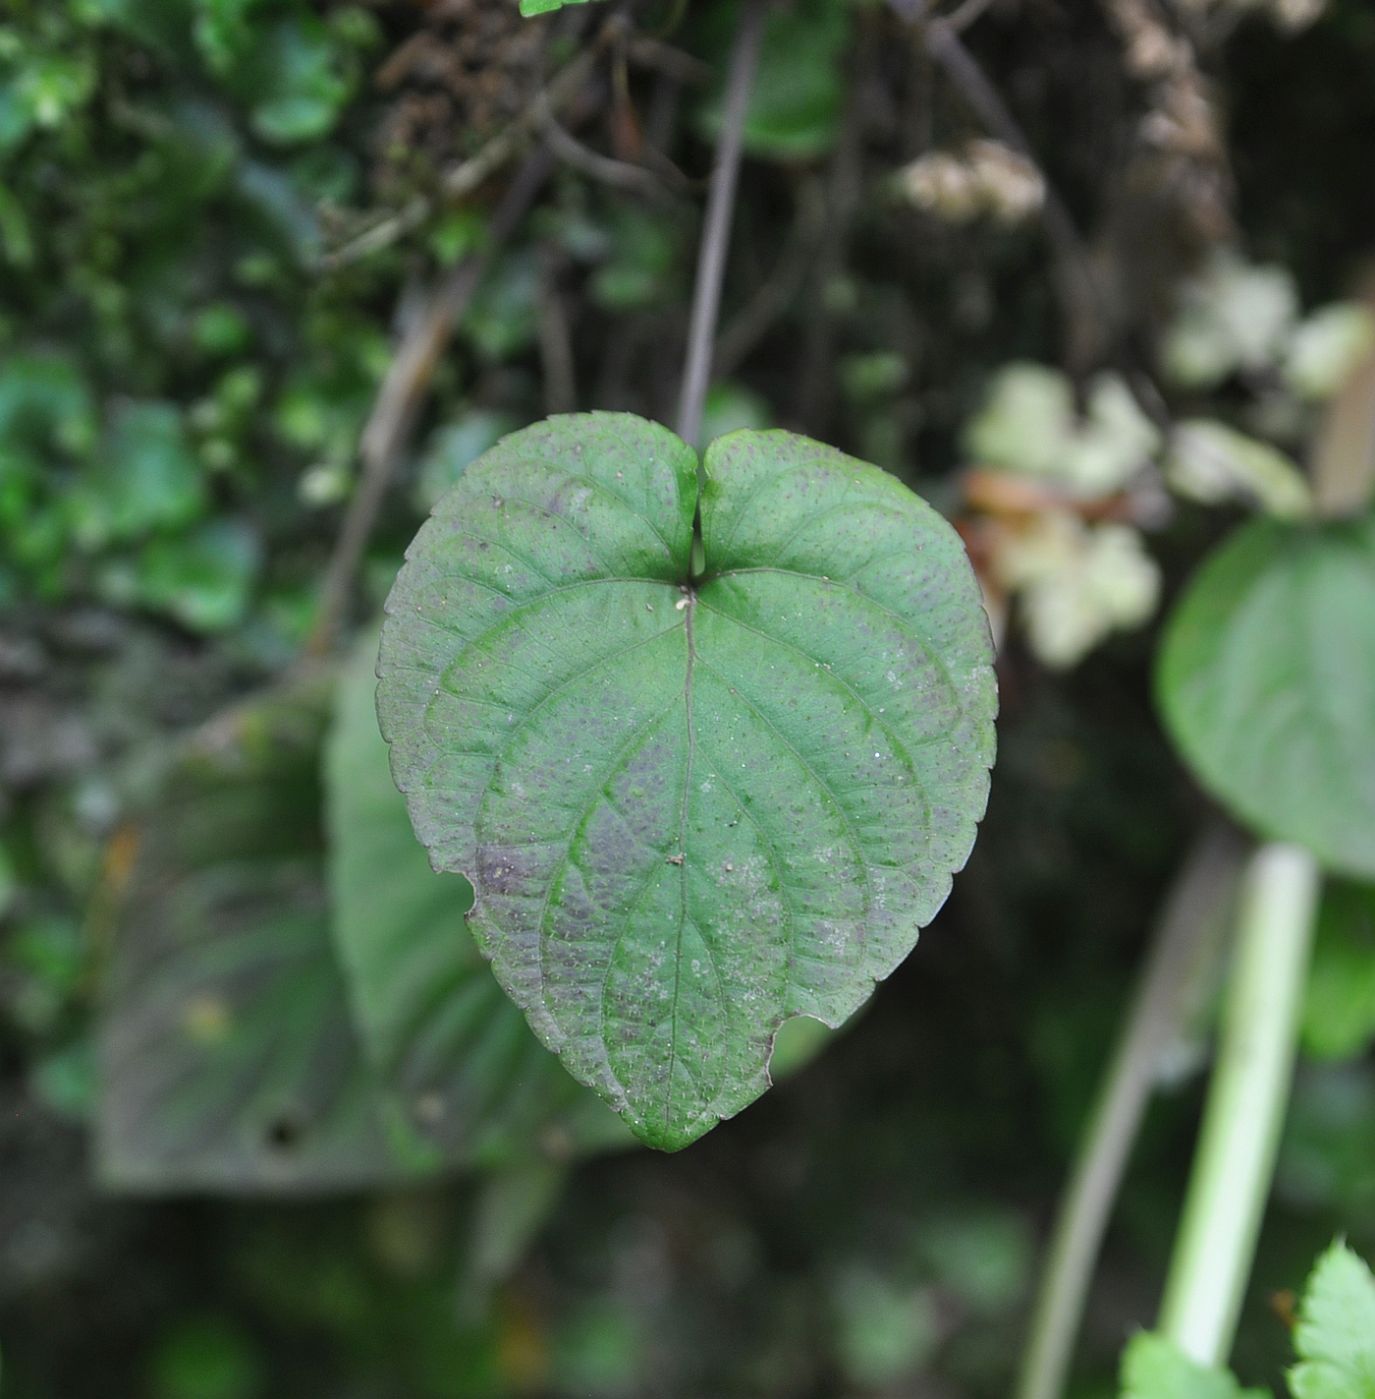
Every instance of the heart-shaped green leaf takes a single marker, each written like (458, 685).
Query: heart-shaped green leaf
(693, 802)
(1267, 684)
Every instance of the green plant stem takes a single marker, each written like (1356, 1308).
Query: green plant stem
(1183, 945)
(1235, 1159)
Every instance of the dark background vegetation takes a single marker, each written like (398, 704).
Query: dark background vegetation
(191, 341)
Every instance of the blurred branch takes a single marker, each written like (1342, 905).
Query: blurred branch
(711, 262)
(1174, 965)
(962, 16)
(816, 378)
(619, 174)
(647, 52)
(779, 290)
(555, 342)
(401, 395)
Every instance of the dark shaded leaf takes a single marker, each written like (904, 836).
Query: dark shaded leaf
(226, 1054)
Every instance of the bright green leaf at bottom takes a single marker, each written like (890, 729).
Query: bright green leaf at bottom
(1155, 1368)
(1335, 1337)
(692, 807)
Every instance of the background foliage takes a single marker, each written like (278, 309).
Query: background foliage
(217, 219)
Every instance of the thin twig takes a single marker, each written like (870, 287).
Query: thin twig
(619, 174)
(648, 52)
(555, 343)
(815, 392)
(401, 396)
(711, 261)
(779, 290)
(1197, 903)
(962, 16)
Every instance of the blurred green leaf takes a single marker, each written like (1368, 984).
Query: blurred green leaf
(206, 1357)
(1155, 1368)
(44, 959)
(600, 1350)
(1339, 999)
(65, 1080)
(1266, 681)
(1335, 1337)
(298, 77)
(641, 257)
(45, 402)
(796, 1044)
(227, 1057)
(204, 579)
(222, 329)
(799, 87)
(471, 1076)
(501, 321)
(873, 376)
(224, 31)
(511, 1208)
(144, 477)
(732, 406)
(1327, 1157)
(544, 7)
(983, 1255)
(9, 883)
(884, 1330)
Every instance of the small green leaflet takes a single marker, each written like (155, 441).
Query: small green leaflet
(692, 807)
(1266, 682)
(1155, 1368)
(1335, 1337)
